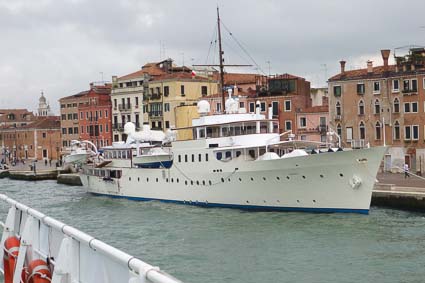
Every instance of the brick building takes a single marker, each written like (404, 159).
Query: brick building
(95, 120)
(37, 140)
(383, 104)
(73, 120)
(286, 95)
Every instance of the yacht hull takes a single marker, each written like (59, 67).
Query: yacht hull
(326, 182)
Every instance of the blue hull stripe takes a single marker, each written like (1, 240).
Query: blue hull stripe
(247, 207)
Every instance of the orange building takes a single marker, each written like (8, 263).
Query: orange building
(94, 118)
(38, 140)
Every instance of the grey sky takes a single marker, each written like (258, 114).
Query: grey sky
(60, 46)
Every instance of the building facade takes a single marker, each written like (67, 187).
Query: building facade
(383, 105)
(95, 120)
(38, 140)
(69, 118)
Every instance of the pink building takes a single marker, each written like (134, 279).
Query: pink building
(312, 123)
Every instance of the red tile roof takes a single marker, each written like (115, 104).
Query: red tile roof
(151, 69)
(50, 122)
(180, 75)
(236, 78)
(378, 71)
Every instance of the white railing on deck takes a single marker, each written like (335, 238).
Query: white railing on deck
(75, 256)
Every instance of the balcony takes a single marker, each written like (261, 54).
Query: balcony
(408, 92)
(337, 117)
(124, 107)
(118, 127)
(156, 95)
(357, 144)
(155, 113)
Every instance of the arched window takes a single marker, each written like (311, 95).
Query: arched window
(339, 130)
(338, 108)
(378, 130)
(361, 107)
(396, 105)
(396, 130)
(362, 131)
(377, 107)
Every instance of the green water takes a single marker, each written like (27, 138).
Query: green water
(225, 245)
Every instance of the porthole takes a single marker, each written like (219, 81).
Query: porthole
(177, 180)
(157, 180)
(240, 180)
(129, 178)
(314, 200)
(341, 175)
(166, 180)
(264, 201)
(191, 182)
(247, 201)
(209, 182)
(298, 200)
(264, 178)
(197, 182)
(277, 200)
(321, 176)
(185, 182)
(252, 179)
(203, 182)
(278, 178)
(228, 179)
(303, 177)
(214, 170)
(287, 177)
(172, 180)
(138, 179)
(222, 180)
(147, 179)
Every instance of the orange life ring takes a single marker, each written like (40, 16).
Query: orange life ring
(11, 251)
(39, 272)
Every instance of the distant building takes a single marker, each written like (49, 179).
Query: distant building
(15, 117)
(151, 95)
(37, 140)
(43, 107)
(95, 119)
(381, 105)
(73, 120)
(319, 96)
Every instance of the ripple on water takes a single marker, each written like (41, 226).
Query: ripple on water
(226, 245)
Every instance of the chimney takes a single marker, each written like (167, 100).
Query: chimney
(385, 55)
(369, 67)
(91, 85)
(342, 62)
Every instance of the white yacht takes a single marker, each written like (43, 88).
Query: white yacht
(80, 152)
(240, 160)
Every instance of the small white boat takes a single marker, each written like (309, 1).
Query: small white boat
(154, 157)
(80, 152)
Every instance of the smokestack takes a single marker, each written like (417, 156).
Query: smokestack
(385, 55)
(342, 62)
(369, 66)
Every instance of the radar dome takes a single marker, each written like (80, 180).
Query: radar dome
(203, 107)
(129, 128)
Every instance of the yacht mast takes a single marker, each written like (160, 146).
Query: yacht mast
(221, 62)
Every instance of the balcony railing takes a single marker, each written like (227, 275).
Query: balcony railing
(124, 107)
(356, 144)
(118, 126)
(156, 95)
(155, 113)
(410, 91)
(337, 117)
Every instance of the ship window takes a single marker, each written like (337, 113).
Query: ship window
(197, 183)
(157, 180)
(147, 179)
(222, 180)
(206, 156)
(177, 180)
(185, 182)
(203, 182)
(191, 182)
(219, 155)
(193, 157)
(172, 180)
(202, 133)
(129, 178)
(180, 158)
(138, 179)
(209, 182)
(238, 153)
(251, 153)
(185, 158)
(228, 154)
(200, 157)
(166, 180)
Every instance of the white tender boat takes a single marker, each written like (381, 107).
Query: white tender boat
(238, 160)
(80, 152)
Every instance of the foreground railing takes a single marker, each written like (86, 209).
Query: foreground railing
(71, 255)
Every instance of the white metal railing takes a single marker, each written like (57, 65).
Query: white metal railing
(75, 256)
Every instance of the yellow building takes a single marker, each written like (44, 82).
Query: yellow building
(169, 91)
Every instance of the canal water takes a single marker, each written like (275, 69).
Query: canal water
(225, 245)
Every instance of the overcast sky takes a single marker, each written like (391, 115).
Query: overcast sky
(60, 46)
